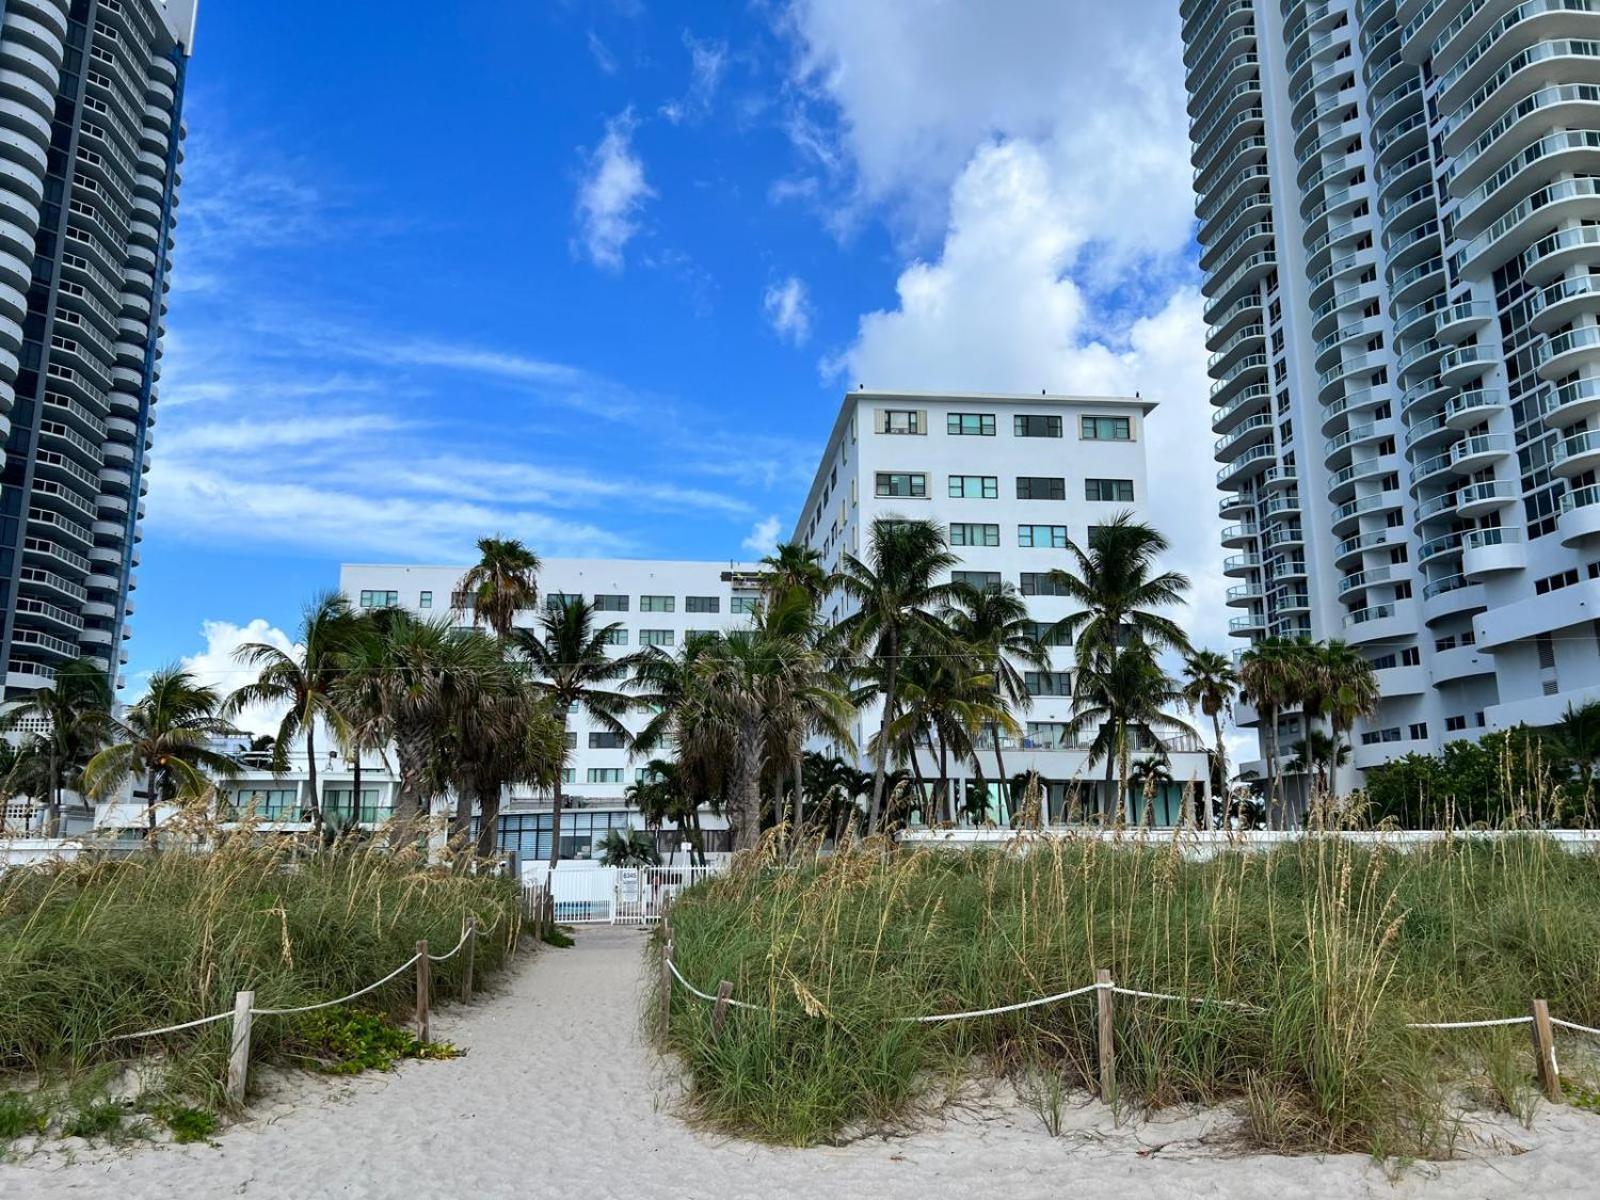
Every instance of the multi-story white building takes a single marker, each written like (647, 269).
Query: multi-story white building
(655, 603)
(91, 93)
(1398, 208)
(1012, 478)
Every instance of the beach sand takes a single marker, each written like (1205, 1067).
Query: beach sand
(557, 1096)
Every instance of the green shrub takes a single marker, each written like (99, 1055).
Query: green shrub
(96, 1118)
(343, 1041)
(186, 1123)
(21, 1114)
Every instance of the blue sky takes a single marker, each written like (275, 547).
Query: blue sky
(595, 273)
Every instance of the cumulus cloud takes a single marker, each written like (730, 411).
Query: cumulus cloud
(763, 539)
(216, 667)
(788, 309)
(612, 195)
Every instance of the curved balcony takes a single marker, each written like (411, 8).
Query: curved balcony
(1576, 454)
(1241, 564)
(1563, 301)
(1566, 248)
(1568, 106)
(1381, 622)
(1413, 284)
(1470, 454)
(1503, 202)
(1244, 594)
(1355, 436)
(1278, 477)
(1242, 534)
(1248, 625)
(1475, 500)
(1255, 398)
(1233, 504)
(1347, 515)
(1474, 67)
(1341, 485)
(1251, 462)
(1428, 468)
(1573, 402)
(1424, 432)
(1451, 596)
(1249, 369)
(1459, 321)
(1440, 547)
(1466, 409)
(1257, 429)
(1361, 580)
(1523, 73)
(1490, 551)
(1565, 352)
(1351, 548)
(1467, 363)
(1231, 320)
(1579, 519)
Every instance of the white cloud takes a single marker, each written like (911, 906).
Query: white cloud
(763, 539)
(601, 53)
(612, 195)
(707, 63)
(788, 309)
(217, 667)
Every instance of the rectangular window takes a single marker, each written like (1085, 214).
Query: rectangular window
(900, 420)
(743, 604)
(378, 599)
(606, 739)
(1042, 537)
(569, 774)
(614, 637)
(268, 804)
(1419, 731)
(971, 533)
(658, 604)
(336, 805)
(1109, 490)
(1045, 633)
(571, 739)
(605, 774)
(970, 424)
(1032, 426)
(610, 603)
(556, 601)
(425, 600)
(1106, 429)
(975, 487)
(1048, 683)
(1041, 487)
(1455, 723)
(983, 581)
(702, 604)
(655, 637)
(1039, 583)
(902, 484)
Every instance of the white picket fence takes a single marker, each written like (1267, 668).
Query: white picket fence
(586, 893)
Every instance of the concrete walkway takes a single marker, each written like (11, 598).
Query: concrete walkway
(558, 1097)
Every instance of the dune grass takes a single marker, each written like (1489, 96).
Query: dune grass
(1340, 945)
(96, 948)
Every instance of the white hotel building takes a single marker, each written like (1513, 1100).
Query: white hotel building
(1399, 207)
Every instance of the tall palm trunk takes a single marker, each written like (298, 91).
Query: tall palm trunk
(1222, 771)
(981, 782)
(999, 759)
(488, 819)
(799, 794)
(1124, 801)
(1108, 803)
(922, 788)
(355, 793)
(747, 786)
(943, 788)
(1272, 765)
(150, 805)
(311, 775)
(880, 757)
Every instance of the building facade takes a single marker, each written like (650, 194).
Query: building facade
(1011, 478)
(91, 94)
(1400, 231)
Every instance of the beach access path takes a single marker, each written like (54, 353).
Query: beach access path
(557, 1095)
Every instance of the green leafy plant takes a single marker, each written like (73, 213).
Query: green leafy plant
(188, 1124)
(21, 1114)
(97, 1118)
(344, 1041)
(558, 937)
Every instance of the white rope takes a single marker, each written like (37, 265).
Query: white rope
(122, 1037)
(371, 987)
(673, 967)
(1469, 1024)
(453, 953)
(1004, 1008)
(1574, 1026)
(1239, 1004)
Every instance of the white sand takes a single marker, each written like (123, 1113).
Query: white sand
(558, 1097)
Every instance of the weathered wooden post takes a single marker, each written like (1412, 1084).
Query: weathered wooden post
(1108, 1046)
(719, 1012)
(424, 971)
(471, 949)
(666, 988)
(239, 1052)
(1544, 1052)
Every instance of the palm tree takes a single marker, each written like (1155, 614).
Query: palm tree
(631, 849)
(796, 566)
(304, 680)
(164, 738)
(1269, 680)
(1122, 697)
(503, 582)
(894, 592)
(75, 711)
(1318, 754)
(1350, 691)
(1147, 773)
(683, 722)
(568, 658)
(993, 624)
(1210, 684)
(1118, 588)
(1576, 740)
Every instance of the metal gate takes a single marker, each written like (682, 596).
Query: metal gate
(588, 894)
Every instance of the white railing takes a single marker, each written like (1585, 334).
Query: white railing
(586, 893)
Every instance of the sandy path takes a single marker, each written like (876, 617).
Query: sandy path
(557, 1097)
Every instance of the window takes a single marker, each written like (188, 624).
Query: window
(970, 424)
(743, 604)
(655, 637)
(607, 739)
(614, 637)
(1120, 490)
(1038, 583)
(658, 604)
(897, 484)
(570, 738)
(425, 600)
(1042, 537)
(611, 604)
(569, 774)
(1419, 731)
(1455, 724)
(967, 533)
(1106, 429)
(1041, 487)
(975, 487)
(1410, 656)
(1047, 735)
(983, 581)
(899, 420)
(336, 805)
(702, 604)
(380, 599)
(1028, 426)
(1045, 633)
(556, 601)
(605, 774)
(1048, 683)
(268, 804)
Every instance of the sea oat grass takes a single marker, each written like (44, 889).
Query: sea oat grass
(1338, 945)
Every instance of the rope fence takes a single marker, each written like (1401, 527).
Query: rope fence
(1104, 989)
(244, 1010)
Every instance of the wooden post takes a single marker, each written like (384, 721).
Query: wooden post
(424, 971)
(471, 949)
(1544, 1052)
(719, 1013)
(666, 988)
(239, 1053)
(1108, 1044)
